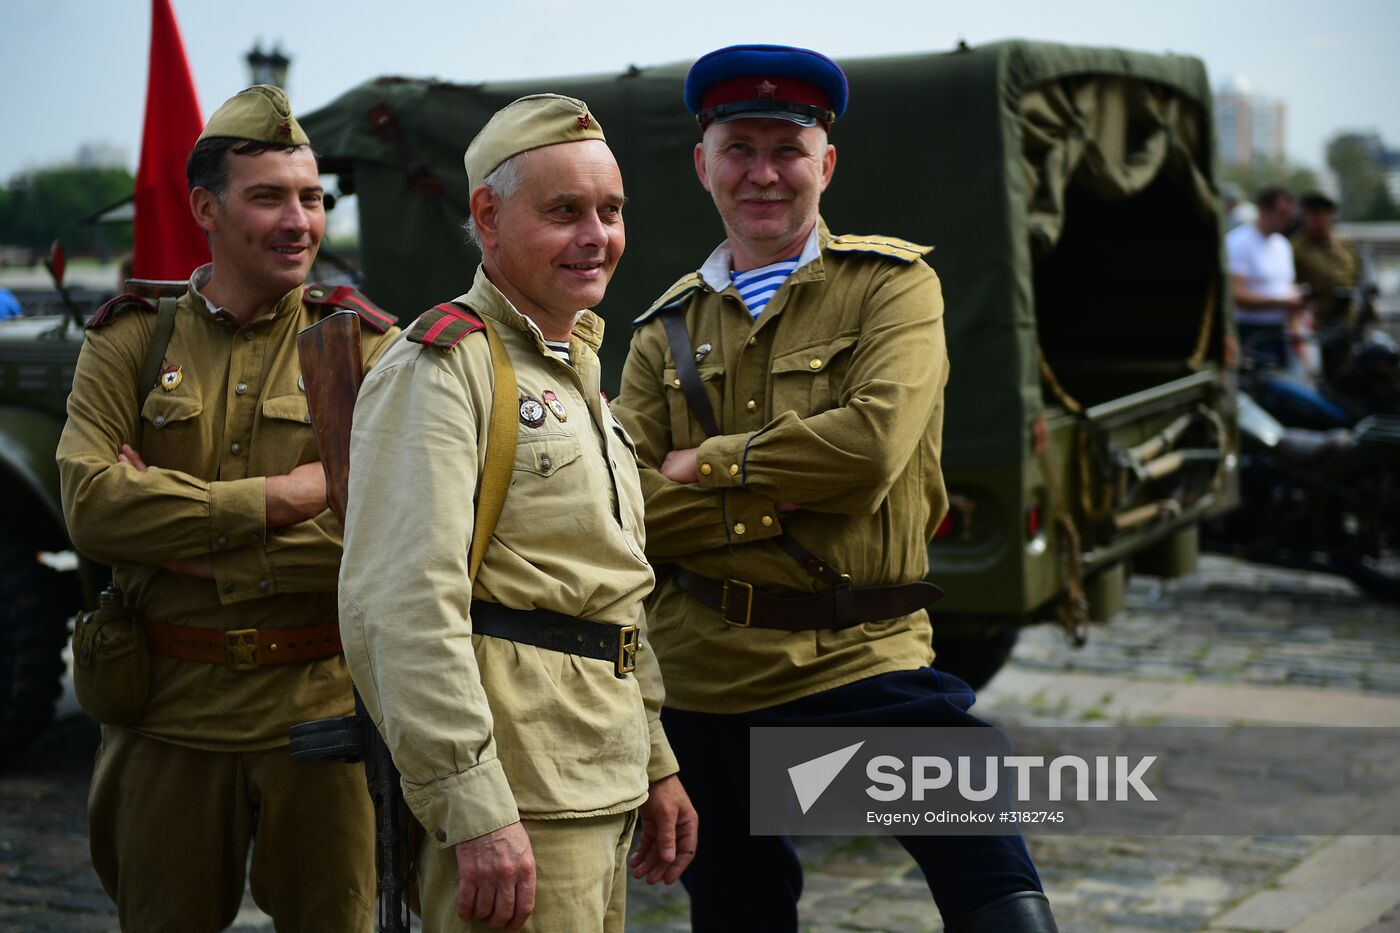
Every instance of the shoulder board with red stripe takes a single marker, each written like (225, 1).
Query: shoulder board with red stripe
(330, 298)
(443, 325)
(105, 314)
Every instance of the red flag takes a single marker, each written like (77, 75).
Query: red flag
(169, 244)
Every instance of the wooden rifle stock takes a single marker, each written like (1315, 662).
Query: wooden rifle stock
(331, 372)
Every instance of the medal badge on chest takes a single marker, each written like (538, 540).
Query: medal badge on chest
(171, 377)
(531, 411)
(555, 406)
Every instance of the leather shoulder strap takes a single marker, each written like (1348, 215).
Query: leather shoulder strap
(678, 336)
(155, 353)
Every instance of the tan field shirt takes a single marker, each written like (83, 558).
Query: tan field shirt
(832, 400)
(485, 730)
(237, 415)
(1325, 267)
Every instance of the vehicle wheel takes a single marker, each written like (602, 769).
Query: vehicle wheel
(33, 632)
(1379, 576)
(972, 651)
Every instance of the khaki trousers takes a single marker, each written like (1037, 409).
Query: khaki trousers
(169, 829)
(580, 878)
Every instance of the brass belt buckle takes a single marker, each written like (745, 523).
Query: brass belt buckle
(748, 603)
(628, 641)
(243, 652)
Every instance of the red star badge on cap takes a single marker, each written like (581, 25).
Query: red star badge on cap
(285, 128)
(766, 90)
(584, 121)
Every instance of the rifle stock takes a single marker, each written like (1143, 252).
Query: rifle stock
(331, 372)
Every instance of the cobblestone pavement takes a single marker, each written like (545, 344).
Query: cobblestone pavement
(1234, 642)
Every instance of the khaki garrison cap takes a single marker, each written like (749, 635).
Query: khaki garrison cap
(261, 113)
(528, 123)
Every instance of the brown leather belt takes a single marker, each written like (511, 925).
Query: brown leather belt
(742, 605)
(244, 649)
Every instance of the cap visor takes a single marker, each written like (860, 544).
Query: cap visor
(788, 115)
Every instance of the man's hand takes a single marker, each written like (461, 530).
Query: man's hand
(496, 877)
(296, 497)
(681, 465)
(669, 828)
(130, 457)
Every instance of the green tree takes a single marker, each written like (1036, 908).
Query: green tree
(1355, 158)
(1265, 171)
(41, 206)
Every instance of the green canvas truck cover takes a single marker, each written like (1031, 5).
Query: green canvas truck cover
(988, 154)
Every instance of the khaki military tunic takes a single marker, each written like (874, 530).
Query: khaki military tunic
(833, 400)
(486, 730)
(1325, 268)
(236, 414)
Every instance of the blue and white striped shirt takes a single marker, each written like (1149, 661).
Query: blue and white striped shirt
(756, 286)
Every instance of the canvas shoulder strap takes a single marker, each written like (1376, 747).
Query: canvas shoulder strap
(494, 482)
(155, 353)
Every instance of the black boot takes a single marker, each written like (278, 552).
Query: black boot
(1022, 912)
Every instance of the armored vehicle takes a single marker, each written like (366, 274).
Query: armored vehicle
(1071, 199)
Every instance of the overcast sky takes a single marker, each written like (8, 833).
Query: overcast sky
(75, 70)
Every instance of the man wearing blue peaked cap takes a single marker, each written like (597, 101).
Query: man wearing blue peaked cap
(786, 400)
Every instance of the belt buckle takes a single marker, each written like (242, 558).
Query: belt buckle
(748, 603)
(628, 641)
(243, 651)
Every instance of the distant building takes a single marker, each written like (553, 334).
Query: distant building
(100, 155)
(1248, 126)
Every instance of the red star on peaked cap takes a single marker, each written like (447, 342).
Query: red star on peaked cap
(766, 89)
(729, 83)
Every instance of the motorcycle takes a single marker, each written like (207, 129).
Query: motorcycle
(1320, 471)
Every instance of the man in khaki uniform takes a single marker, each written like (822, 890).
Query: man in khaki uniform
(787, 404)
(525, 740)
(205, 494)
(1324, 260)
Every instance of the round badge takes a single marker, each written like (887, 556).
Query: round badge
(171, 377)
(531, 412)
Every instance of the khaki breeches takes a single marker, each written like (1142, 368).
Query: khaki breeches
(169, 829)
(580, 878)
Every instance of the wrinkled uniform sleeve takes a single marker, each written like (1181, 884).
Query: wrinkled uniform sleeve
(300, 558)
(405, 595)
(845, 460)
(681, 518)
(116, 514)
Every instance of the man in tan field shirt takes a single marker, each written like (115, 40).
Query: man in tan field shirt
(202, 488)
(787, 404)
(527, 751)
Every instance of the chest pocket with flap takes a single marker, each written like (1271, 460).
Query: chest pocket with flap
(810, 379)
(685, 429)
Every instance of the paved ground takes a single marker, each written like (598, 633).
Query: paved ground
(1233, 643)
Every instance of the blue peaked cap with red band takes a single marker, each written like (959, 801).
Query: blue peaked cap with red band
(773, 81)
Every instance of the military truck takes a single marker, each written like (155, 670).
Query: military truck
(1070, 196)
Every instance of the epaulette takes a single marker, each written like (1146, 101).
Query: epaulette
(342, 297)
(104, 315)
(443, 325)
(672, 296)
(888, 246)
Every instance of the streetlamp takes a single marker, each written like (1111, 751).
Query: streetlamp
(268, 67)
